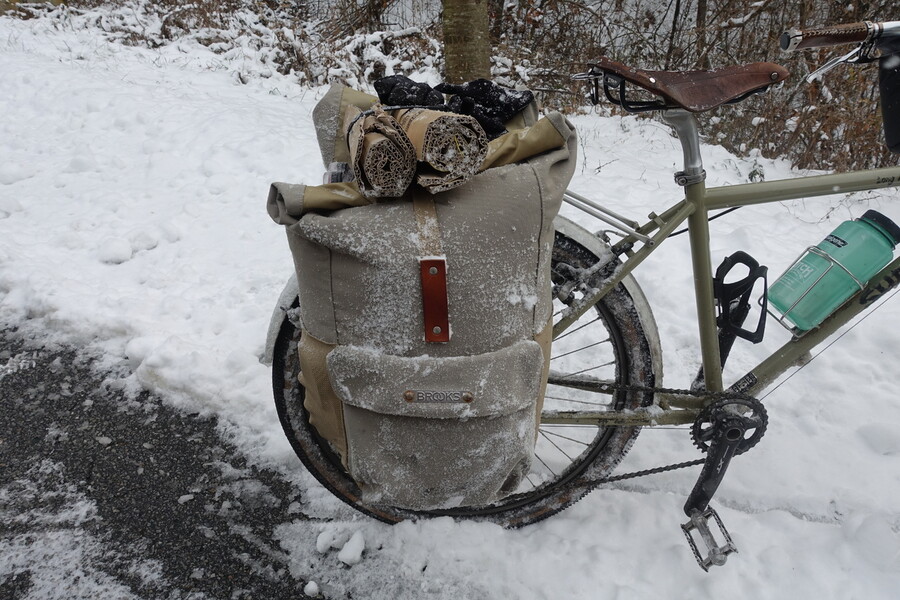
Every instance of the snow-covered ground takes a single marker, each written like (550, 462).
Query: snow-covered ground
(132, 221)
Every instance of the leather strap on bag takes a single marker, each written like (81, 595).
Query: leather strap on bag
(433, 272)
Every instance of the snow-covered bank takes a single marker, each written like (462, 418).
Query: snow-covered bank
(132, 188)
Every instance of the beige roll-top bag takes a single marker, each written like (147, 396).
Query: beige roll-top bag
(425, 317)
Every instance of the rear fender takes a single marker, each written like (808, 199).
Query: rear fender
(286, 300)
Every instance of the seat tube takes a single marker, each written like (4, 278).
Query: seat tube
(693, 179)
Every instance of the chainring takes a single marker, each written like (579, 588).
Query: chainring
(750, 411)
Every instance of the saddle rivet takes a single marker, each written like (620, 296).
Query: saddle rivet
(409, 395)
(433, 271)
(774, 76)
(436, 330)
(468, 397)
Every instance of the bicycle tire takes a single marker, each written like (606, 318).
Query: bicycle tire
(619, 314)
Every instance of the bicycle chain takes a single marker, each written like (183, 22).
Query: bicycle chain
(716, 398)
(644, 473)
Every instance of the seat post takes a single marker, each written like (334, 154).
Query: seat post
(685, 125)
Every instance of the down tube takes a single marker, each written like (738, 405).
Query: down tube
(788, 355)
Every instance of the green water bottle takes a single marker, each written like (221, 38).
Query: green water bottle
(827, 274)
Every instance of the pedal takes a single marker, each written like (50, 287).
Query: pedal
(716, 553)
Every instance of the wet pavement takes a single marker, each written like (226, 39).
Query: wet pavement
(102, 495)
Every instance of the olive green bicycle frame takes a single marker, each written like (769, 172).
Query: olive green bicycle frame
(698, 202)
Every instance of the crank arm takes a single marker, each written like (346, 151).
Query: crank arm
(727, 435)
(725, 438)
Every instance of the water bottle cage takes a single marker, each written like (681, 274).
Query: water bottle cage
(832, 263)
(734, 298)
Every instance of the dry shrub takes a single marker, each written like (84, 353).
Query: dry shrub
(256, 38)
(834, 123)
(831, 124)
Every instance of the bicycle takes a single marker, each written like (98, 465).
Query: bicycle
(606, 368)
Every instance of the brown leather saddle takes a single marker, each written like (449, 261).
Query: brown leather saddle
(696, 91)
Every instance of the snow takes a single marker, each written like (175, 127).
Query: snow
(311, 589)
(132, 223)
(351, 553)
(62, 549)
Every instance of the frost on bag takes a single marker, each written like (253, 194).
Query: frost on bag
(425, 338)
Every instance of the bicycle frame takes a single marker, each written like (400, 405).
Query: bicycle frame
(695, 208)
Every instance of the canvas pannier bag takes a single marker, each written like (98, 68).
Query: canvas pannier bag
(426, 318)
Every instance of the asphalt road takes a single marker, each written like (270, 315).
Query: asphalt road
(109, 497)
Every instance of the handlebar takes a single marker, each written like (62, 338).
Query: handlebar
(833, 35)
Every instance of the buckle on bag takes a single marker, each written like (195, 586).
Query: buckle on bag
(716, 554)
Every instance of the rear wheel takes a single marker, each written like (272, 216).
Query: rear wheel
(607, 343)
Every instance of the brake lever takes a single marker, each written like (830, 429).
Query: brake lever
(849, 57)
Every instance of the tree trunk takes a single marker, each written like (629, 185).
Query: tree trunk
(702, 50)
(672, 31)
(467, 44)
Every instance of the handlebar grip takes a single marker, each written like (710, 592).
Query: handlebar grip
(832, 35)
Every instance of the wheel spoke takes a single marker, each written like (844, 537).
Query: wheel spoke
(589, 403)
(579, 328)
(612, 362)
(545, 433)
(546, 466)
(570, 352)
